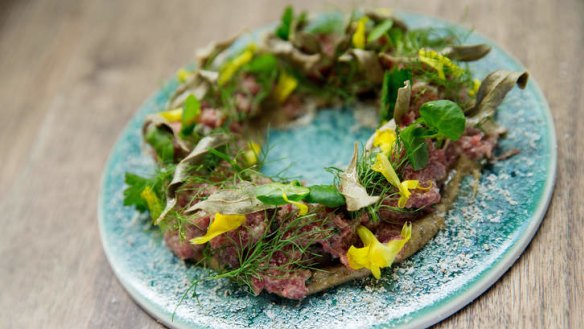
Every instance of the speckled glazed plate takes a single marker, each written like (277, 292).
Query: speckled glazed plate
(483, 237)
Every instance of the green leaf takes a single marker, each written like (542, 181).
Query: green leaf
(136, 184)
(191, 111)
(444, 116)
(327, 195)
(283, 30)
(273, 193)
(379, 30)
(262, 64)
(162, 143)
(416, 149)
(393, 80)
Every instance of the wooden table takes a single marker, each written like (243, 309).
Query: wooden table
(73, 72)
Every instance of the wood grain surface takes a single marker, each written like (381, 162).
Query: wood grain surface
(72, 72)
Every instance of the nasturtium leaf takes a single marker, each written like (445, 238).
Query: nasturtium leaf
(379, 30)
(191, 111)
(393, 80)
(417, 152)
(162, 143)
(273, 193)
(283, 30)
(444, 116)
(327, 195)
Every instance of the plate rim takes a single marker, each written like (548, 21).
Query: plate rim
(435, 313)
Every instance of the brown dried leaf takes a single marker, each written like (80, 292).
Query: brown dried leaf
(467, 53)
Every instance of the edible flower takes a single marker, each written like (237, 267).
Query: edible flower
(439, 62)
(476, 84)
(383, 166)
(359, 35)
(172, 115)
(221, 224)
(252, 153)
(235, 64)
(375, 255)
(183, 75)
(302, 208)
(285, 86)
(153, 202)
(384, 139)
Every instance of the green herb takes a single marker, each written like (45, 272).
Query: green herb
(379, 30)
(393, 80)
(283, 30)
(293, 236)
(327, 195)
(262, 64)
(191, 111)
(273, 193)
(415, 145)
(162, 143)
(137, 184)
(444, 117)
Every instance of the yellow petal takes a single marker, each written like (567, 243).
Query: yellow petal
(384, 139)
(476, 84)
(358, 257)
(172, 115)
(230, 68)
(284, 87)
(154, 205)
(438, 62)
(302, 208)
(183, 75)
(375, 255)
(252, 154)
(383, 166)
(359, 35)
(221, 224)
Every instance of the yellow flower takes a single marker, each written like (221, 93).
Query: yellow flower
(359, 35)
(476, 84)
(375, 255)
(154, 205)
(384, 139)
(230, 68)
(252, 153)
(439, 63)
(383, 166)
(302, 208)
(284, 87)
(221, 224)
(172, 115)
(183, 75)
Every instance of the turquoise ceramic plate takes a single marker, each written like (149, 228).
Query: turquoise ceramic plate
(482, 239)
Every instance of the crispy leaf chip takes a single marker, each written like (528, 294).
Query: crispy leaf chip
(491, 93)
(181, 173)
(467, 53)
(240, 200)
(354, 193)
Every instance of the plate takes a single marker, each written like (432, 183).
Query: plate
(483, 237)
